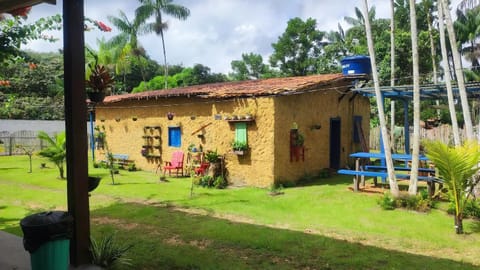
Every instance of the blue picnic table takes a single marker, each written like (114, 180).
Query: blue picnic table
(381, 170)
(405, 157)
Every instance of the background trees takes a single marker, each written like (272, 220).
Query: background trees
(297, 49)
(250, 67)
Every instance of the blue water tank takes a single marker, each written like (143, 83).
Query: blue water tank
(354, 65)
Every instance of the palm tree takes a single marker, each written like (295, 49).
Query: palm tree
(381, 114)
(392, 70)
(360, 18)
(467, 29)
(125, 44)
(428, 6)
(458, 71)
(156, 8)
(56, 150)
(412, 187)
(468, 4)
(448, 80)
(457, 166)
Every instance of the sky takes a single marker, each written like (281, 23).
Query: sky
(217, 31)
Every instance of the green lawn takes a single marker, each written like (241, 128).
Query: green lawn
(321, 226)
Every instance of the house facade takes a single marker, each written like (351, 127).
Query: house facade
(293, 126)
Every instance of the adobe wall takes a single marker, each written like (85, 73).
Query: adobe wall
(126, 135)
(312, 113)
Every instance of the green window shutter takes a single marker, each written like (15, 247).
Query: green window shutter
(241, 132)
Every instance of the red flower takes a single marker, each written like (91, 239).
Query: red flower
(32, 66)
(102, 26)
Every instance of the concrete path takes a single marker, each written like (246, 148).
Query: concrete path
(14, 257)
(12, 254)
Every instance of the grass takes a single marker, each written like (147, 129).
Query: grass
(321, 226)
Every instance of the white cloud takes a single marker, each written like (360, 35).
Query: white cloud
(217, 31)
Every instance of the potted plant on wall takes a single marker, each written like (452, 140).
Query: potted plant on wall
(98, 80)
(299, 140)
(239, 148)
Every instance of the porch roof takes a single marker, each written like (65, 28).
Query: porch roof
(8, 5)
(430, 91)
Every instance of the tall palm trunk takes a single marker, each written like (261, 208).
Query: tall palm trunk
(164, 59)
(458, 71)
(412, 187)
(433, 51)
(448, 79)
(381, 113)
(392, 71)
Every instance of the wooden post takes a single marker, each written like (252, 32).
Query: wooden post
(76, 130)
(356, 183)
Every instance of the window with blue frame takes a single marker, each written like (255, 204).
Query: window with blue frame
(174, 137)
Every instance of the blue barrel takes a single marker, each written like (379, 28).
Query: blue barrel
(354, 65)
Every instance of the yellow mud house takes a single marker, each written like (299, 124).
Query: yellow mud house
(292, 127)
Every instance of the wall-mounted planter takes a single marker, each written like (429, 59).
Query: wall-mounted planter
(240, 152)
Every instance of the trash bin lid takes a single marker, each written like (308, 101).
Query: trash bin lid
(45, 226)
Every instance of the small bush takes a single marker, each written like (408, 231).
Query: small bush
(387, 202)
(417, 203)
(107, 253)
(220, 182)
(472, 209)
(132, 167)
(208, 182)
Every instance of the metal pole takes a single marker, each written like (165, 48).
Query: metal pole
(406, 127)
(92, 136)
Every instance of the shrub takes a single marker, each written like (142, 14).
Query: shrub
(220, 182)
(472, 209)
(206, 181)
(387, 202)
(132, 167)
(418, 203)
(212, 156)
(107, 253)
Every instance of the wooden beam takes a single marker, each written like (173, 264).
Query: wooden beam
(8, 5)
(76, 130)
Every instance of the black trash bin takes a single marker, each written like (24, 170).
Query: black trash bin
(46, 236)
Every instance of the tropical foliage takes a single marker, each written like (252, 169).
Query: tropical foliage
(156, 9)
(55, 151)
(458, 167)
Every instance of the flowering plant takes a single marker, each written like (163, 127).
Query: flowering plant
(100, 25)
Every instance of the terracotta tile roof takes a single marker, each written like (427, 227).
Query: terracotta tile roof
(264, 87)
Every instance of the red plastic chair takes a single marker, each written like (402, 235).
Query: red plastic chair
(202, 169)
(176, 164)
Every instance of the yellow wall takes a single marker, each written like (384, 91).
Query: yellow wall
(309, 110)
(268, 159)
(253, 169)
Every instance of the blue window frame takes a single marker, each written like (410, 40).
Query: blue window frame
(174, 137)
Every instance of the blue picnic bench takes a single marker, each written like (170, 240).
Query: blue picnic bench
(121, 160)
(376, 171)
